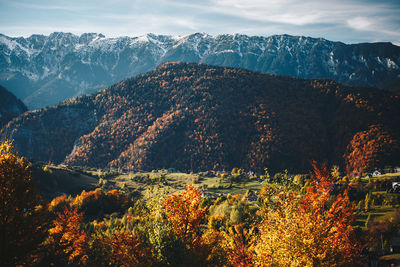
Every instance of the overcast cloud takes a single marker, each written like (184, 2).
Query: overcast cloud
(351, 21)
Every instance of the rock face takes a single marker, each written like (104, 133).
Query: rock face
(10, 106)
(198, 117)
(43, 70)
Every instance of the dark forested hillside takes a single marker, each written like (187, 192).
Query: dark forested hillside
(197, 117)
(10, 106)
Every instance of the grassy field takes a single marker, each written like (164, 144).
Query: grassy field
(53, 180)
(178, 181)
(377, 211)
(56, 180)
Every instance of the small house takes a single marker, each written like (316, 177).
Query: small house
(395, 187)
(376, 173)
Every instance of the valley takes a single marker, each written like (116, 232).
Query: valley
(198, 150)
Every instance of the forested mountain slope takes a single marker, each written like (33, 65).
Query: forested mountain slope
(10, 106)
(198, 117)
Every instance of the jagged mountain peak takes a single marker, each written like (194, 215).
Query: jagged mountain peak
(43, 70)
(86, 38)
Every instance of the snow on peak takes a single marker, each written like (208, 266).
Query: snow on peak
(92, 56)
(10, 43)
(143, 39)
(13, 46)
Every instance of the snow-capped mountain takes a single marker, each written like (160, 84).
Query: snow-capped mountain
(43, 70)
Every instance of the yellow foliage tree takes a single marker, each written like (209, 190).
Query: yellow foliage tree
(308, 231)
(22, 219)
(238, 243)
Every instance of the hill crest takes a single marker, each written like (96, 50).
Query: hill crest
(198, 117)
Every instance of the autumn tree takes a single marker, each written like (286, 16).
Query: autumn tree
(22, 219)
(129, 250)
(237, 244)
(279, 235)
(329, 219)
(371, 148)
(119, 248)
(66, 238)
(311, 230)
(184, 214)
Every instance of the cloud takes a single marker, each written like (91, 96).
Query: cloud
(44, 6)
(359, 23)
(342, 20)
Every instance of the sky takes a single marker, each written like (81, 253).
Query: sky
(349, 21)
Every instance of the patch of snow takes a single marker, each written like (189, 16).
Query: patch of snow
(143, 39)
(46, 72)
(289, 49)
(261, 46)
(225, 51)
(176, 38)
(83, 61)
(363, 60)
(391, 64)
(98, 37)
(30, 75)
(332, 63)
(79, 46)
(180, 41)
(252, 53)
(103, 44)
(11, 44)
(387, 63)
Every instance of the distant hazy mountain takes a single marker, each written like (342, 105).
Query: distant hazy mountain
(10, 106)
(200, 117)
(43, 70)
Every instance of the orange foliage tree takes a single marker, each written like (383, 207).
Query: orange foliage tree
(238, 243)
(22, 219)
(67, 237)
(125, 249)
(309, 231)
(374, 147)
(184, 214)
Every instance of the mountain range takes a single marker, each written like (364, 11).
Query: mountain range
(193, 116)
(43, 70)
